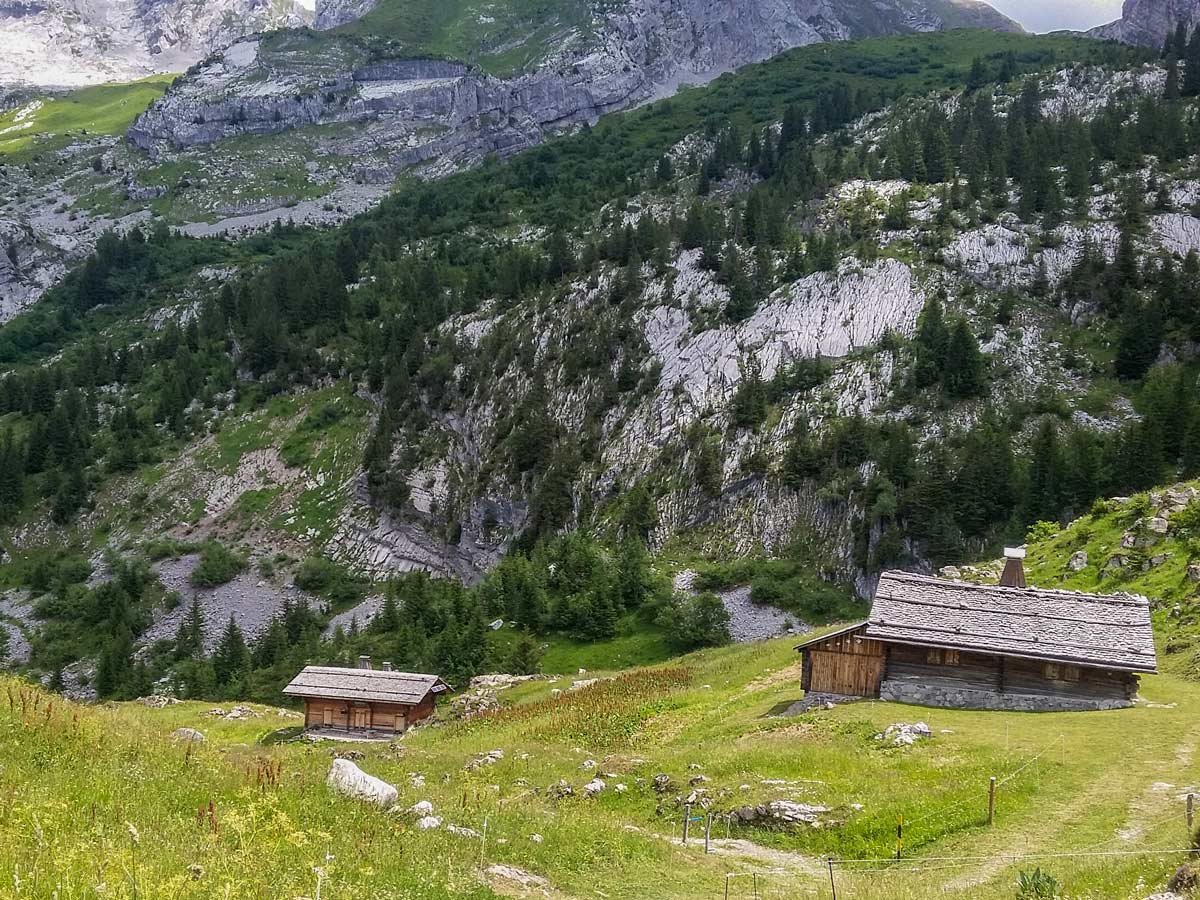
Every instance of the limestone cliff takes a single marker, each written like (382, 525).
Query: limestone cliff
(424, 109)
(66, 43)
(1148, 22)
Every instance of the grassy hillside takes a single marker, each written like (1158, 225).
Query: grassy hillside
(240, 817)
(1115, 548)
(504, 38)
(47, 125)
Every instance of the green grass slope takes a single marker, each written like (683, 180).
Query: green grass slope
(101, 802)
(105, 109)
(1116, 548)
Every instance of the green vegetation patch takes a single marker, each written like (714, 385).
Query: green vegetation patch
(106, 109)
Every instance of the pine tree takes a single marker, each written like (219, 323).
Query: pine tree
(525, 657)
(632, 575)
(231, 658)
(189, 639)
(963, 370)
(932, 341)
(1191, 72)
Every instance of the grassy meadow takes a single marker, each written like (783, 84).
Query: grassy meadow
(104, 109)
(100, 802)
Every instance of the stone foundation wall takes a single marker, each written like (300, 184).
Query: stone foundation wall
(970, 698)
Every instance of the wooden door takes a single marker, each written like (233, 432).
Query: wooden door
(360, 718)
(327, 717)
(401, 722)
(853, 674)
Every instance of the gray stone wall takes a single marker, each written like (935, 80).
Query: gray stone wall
(972, 698)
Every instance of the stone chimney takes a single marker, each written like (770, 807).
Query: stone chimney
(364, 662)
(387, 667)
(1014, 570)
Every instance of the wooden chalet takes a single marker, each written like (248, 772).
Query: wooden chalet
(364, 702)
(936, 642)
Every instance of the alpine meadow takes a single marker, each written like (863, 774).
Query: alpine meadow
(637, 449)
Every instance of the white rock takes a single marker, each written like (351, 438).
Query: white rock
(421, 808)
(594, 787)
(191, 735)
(349, 780)
(427, 823)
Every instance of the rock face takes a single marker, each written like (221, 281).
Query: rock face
(349, 780)
(67, 43)
(332, 13)
(425, 109)
(1148, 22)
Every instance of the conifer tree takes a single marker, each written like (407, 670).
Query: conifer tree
(231, 657)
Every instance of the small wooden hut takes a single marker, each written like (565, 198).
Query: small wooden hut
(936, 642)
(364, 702)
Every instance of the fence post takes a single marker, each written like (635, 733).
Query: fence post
(1191, 805)
(727, 886)
(899, 834)
(707, 830)
(991, 801)
(755, 886)
(687, 821)
(832, 883)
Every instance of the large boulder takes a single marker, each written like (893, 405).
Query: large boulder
(349, 780)
(189, 735)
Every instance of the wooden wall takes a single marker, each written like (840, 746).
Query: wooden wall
(846, 664)
(351, 715)
(942, 669)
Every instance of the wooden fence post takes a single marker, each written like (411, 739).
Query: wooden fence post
(991, 801)
(707, 830)
(687, 821)
(899, 834)
(1191, 805)
(832, 883)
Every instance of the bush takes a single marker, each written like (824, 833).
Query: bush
(694, 622)
(1041, 531)
(218, 565)
(327, 579)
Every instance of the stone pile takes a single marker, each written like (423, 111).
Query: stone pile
(900, 734)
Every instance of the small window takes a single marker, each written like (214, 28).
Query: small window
(934, 657)
(1053, 671)
(950, 657)
(1070, 673)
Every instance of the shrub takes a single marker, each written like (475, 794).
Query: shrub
(218, 565)
(1041, 531)
(694, 622)
(327, 579)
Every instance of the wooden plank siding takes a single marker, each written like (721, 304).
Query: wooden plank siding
(352, 715)
(846, 663)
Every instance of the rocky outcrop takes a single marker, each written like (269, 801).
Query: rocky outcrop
(1148, 22)
(332, 13)
(406, 112)
(63, 43)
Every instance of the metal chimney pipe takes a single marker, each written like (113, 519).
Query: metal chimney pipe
(387, 667)
(1014, 570)
(364, 662)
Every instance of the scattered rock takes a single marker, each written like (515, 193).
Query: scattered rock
(1078, 561)
(428, 823)
(560, 790)
(950, 572)
(621, 787)
(191, 735)
(517, 876)
(463, 831)
(663, 784)
(536, 838)
(352, 755)
(485, 759)
(349, 780)
(421, 808)
(903, 735)
(594, 788)
(158, 701)
(588, 764)
(697, 779)
(1193, 572)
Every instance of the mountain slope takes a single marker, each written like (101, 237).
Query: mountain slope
(1149, 22)
(64, 43)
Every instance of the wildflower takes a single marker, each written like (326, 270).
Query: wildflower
(133, 834)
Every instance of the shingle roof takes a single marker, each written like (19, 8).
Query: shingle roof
(1110, 631)
(364, 684)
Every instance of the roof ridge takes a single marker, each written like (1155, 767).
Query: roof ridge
(1122, 597)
